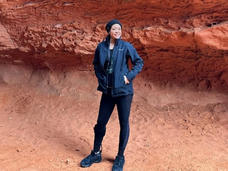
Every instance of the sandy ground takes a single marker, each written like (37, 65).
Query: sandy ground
(45, 128)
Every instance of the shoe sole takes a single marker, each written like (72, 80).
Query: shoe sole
(97, 161)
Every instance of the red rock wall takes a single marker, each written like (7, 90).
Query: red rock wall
(183, 42)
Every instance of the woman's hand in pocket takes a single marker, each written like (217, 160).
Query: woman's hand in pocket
(126, 81)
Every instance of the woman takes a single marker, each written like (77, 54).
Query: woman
(115, 82)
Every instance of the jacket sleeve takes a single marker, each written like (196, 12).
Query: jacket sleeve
(136, 61)
(96, 64)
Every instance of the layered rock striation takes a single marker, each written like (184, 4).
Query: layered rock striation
(182, 42)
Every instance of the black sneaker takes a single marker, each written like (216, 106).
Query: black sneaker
(90, 159)
(118, 163)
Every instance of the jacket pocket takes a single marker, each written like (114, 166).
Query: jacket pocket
(121, 80)
(102, 81)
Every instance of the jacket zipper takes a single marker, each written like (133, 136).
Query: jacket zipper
(113, 69)
(112, 66)
(107, 66)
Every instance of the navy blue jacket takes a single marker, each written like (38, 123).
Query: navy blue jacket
(122, 52)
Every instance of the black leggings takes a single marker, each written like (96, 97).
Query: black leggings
(107, 105)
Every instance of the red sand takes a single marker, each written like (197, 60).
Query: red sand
(50, 127)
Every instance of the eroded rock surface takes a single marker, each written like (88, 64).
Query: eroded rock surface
(183, 42)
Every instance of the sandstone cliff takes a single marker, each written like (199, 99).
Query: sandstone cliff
(183, 42)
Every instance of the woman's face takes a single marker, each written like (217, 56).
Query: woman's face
(115, 31)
